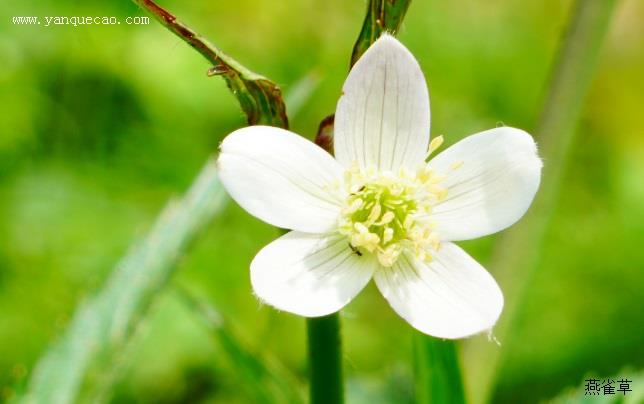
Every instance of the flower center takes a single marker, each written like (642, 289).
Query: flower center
(386, 214)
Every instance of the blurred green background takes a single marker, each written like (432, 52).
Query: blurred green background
(101, 125)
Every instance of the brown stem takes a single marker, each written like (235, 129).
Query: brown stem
(260, 99)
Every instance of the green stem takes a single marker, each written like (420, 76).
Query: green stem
(516, 255)
(325, 359)
(438, 376)
(325, 343)
(382, 16)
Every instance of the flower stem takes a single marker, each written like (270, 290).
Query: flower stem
(382, 16)
(437, 374)
(325, 359)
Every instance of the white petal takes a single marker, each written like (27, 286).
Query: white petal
(382, 118)
(495, 184)
(453, 296)
(281, 178)
(309, 275)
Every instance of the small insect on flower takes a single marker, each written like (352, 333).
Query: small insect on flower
(378, 209)
(355, 250)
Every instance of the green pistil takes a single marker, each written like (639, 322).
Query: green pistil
(377, 201)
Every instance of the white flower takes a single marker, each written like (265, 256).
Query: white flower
(378, 209)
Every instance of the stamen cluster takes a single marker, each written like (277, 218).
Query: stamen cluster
(386, 213)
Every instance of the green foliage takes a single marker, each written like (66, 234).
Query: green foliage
(438, 374)
(263, 377)
(573, 71)
(103, 325)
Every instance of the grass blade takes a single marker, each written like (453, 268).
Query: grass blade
(519, 246)
(103, 324)
(262, 376)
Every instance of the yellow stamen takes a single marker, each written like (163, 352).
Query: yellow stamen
(456, 165)
(433, 145)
